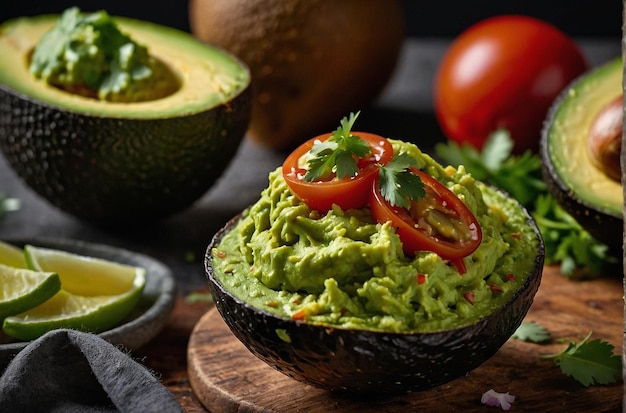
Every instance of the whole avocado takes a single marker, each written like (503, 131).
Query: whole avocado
(311, 61)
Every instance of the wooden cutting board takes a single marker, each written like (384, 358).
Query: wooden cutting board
(226, 377)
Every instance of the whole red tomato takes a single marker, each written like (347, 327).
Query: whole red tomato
(504, 72)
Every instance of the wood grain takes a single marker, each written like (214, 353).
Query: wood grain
(226, 377)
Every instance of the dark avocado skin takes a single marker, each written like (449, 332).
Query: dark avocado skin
(365, 362)
(119, 172)
(605, 227)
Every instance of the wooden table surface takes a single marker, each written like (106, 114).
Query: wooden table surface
(568, 309)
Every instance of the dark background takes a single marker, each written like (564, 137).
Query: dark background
(424, 18)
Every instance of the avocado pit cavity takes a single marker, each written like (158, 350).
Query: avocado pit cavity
(88, 55)
(605, 138)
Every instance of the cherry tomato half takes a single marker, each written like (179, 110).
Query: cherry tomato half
(347, 193)
(440, 222)
(504, 73)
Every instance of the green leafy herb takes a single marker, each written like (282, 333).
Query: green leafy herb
(566, 242)
(520, 175)
(396, 182)
(589, 362)
(8, 204)
(531, 332)
(336, 155)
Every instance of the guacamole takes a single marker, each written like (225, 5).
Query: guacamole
(343, 269)
(87, 54)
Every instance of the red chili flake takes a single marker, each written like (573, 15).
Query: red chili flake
(494, 287)
(421, 279)
(516, 235)
(510, 277)
(220, 254)
(298, 315)
(470, 296)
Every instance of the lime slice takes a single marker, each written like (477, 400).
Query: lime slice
(11, 255)
(65, 310)
(24, 289)
(82, 275)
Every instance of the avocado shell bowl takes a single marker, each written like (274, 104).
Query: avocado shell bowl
(359, 361)
(121, 164)
(582, 188)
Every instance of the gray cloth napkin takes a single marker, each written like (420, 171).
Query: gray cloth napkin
(71, 371)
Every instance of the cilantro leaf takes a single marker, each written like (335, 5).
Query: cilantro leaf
(589, 362)
(336, 155)
(531, 332)
(396, 182)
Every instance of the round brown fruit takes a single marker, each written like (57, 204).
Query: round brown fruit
(312, 61)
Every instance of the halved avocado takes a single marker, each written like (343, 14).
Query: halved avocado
(366, 361)
(593, 198)
(122, 163)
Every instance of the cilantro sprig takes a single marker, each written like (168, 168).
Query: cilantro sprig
(589, 362)
(396, 182)
(566, 242)
(336, 154)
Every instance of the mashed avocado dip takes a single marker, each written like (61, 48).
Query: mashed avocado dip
(344, 270)
(87, 54)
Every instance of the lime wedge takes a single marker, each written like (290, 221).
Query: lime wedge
(23, 289)
(11, 255)
(82, 275)
(65, 310)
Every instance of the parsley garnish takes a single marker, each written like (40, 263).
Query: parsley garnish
(336, 154)
(531, 332)
(589, 362)
(396, 182)
(566, 242)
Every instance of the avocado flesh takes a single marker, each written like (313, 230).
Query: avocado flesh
(120, 164)
(592, 198)
(209, 76)
(567, 137)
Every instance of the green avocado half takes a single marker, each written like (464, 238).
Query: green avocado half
(119, 162)
(593, 198)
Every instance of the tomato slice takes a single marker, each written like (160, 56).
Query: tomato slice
(440, 222)
(347, 193)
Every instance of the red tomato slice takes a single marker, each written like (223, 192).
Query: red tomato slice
(347, 193)
(440, 222)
